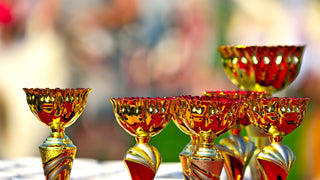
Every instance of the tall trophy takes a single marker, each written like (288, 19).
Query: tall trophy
(142, 118)
(208, 118)
(276, 117)
(261, 68)
(58, 109)
(237, 150)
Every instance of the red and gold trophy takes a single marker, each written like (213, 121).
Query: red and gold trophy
(179, 120)
(237, 150)
(261, 68)
(276, 117)
(58, 109)
(208, 118)
(142, 118)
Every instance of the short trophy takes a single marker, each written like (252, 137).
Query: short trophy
(58, 109)
(142, 118)
(276, 117)
(209, 118)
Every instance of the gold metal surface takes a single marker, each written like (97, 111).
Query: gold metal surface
(208, 119)
(58, 109)
(261, 68)
(276, 117)
(142, 118)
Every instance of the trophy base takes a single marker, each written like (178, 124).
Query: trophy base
(57, 155)
(57, 162)
(185, 166)
(205, 168)
(142, 161)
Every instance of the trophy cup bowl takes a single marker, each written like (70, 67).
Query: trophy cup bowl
(58, 109)
(262, 68)
(276, 117)
(178, 119)
(142, 118)
(209, 118)
(236, 150)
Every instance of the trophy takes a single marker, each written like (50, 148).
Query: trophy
(276, 117)
(58, 109)
(208, 118)
(178, 119)
(142, 118)
(236, 150)
(261, 68)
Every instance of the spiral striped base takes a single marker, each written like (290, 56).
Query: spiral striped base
(275, 161)
(205, 168)
(142, 161)
(237, 152)
(57, 162)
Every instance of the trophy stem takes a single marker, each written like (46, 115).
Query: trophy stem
(186, 153)
(206, 161)
(235, 130)
(237, 152)
(57, 131)
(259, 140)
(57, 155)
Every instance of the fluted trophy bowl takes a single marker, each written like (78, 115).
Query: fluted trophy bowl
(276, 117)
(58, 109)
(142, 118)
(209, 118)
(262, 68)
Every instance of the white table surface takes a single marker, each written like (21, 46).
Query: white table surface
(30, 168)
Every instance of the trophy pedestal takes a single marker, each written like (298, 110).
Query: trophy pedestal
(57, 155)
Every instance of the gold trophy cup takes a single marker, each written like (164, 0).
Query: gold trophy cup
(209, 118)
(58, 109)
(142, 118)
(276, 117)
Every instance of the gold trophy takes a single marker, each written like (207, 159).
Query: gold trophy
(276, 117)
(261, 68)
(236, 150)
(142, 118)
(58, 109)
(178, 119)
(209, 118)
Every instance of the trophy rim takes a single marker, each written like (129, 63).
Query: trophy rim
(54, 93)
(207, 99)
(261, 46)
(145, 100)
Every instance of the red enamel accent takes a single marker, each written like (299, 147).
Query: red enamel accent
(139, 171)
(273, 171)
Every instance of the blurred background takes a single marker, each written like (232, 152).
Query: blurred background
(144, 48)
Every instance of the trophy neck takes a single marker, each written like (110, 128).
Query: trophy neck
(57, 131)
(206, 139)
(142, 139)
